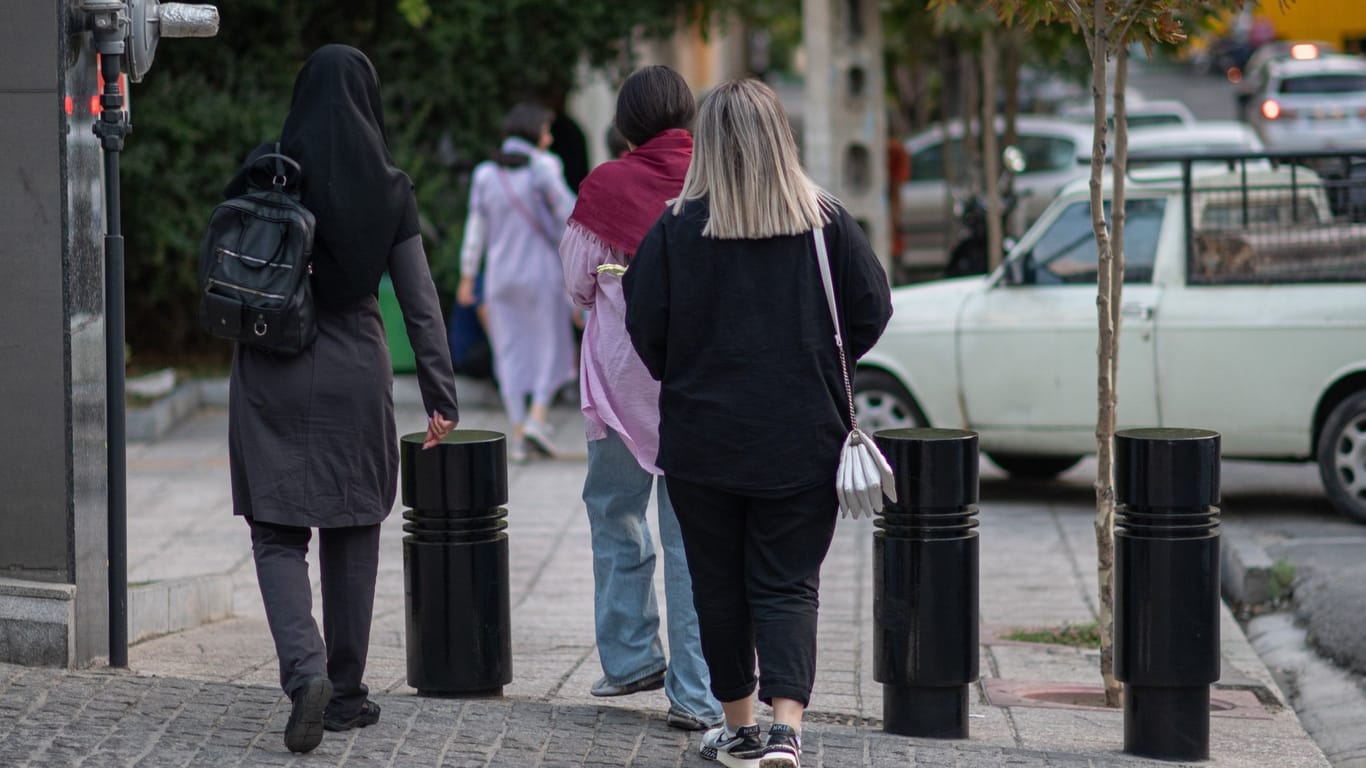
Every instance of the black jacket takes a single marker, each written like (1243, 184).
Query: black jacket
(739, 334)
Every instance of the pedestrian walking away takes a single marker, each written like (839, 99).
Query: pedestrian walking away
(726, 307)
(618, 202)
(518, 206)
(311, 437)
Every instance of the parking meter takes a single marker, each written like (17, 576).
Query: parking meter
(125, 34)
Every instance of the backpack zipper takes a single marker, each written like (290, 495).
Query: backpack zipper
(244, 289)
(253, 259)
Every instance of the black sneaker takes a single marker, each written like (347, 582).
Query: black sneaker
(784, 748)
(304, 731)
(737, 750)
(368, 714)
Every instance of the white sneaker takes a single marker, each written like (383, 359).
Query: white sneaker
(740, 749)
(517, 451)
(538, 437)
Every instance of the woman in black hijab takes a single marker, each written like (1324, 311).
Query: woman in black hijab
(312, 442)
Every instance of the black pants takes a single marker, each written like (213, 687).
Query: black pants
(755, 563)
(349, 559)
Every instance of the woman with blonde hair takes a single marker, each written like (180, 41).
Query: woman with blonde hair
(726, 308)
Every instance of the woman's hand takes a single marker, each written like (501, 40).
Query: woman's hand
(438, 426)
(464, 295)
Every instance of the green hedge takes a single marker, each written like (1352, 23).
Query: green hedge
(449, 70)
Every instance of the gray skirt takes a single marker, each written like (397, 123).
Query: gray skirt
(311, 438)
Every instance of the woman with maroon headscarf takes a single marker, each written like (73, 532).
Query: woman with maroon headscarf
(618, 203)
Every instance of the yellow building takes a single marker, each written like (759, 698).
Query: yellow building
(1340, 22)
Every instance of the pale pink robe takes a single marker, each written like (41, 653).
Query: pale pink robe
(615, 390)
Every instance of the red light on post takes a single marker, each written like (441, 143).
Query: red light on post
(95, 107)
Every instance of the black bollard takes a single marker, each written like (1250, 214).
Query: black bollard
(455, 564)
(925, 583)
(1167, 588)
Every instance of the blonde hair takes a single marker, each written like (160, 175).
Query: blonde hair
(745, 161)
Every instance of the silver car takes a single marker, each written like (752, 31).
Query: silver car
(1055, 152)
(1312, 104)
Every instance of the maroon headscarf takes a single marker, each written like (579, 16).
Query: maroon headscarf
(621, 199)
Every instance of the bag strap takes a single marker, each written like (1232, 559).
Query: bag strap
(823, 259)
(517, 203)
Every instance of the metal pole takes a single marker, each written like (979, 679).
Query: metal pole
(111, 129)
(1167, 588)
(457, 608)
(925, 583)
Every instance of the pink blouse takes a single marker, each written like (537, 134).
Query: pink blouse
(616, 391)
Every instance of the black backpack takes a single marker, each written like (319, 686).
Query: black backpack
(254, 265)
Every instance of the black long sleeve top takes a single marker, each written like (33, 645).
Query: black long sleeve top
(739, 334)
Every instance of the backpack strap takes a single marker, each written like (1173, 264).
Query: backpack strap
(281, 180)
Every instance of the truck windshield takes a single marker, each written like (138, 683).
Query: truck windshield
(1066, 254)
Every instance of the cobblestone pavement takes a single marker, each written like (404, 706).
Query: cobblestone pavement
(210, 696)
(98, 719)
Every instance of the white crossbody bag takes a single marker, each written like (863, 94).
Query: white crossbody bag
(864, 475)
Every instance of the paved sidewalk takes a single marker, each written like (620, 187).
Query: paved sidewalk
(209, 695)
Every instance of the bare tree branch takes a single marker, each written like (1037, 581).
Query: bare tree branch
(1130, 10)
(1075, 7)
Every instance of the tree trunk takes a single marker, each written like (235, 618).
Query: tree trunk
(1010, 66)
(1105, 369)
(952, 104)
(921, 89)
(972, 113)
(1010, 75)
(991, 153)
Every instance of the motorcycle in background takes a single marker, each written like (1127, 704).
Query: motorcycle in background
(969, 255)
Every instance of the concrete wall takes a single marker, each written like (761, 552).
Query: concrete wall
(52, 456)
(844, 122)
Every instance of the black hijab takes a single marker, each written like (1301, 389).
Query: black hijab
(362, 202)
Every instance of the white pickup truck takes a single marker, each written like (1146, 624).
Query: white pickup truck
(1250, 320)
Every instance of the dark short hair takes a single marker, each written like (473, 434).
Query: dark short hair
(526, 121)
(653, 100)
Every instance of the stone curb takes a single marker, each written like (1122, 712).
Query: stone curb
(162, 607)
(1244, 570)
(151, 422)
(1329, 701)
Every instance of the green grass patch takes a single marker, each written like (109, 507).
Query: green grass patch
(1282, 578)
(1075, 635)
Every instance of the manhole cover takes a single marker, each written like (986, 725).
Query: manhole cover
(1015, 693)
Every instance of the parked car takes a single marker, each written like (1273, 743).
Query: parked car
(1217, 136)
(1144, 113)
(1055, 152)
(1311, 104)
(1249, 80)
(1250, 320)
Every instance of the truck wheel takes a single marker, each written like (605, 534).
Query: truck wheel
(1030, 467)
(881, 402)
(1342, 457)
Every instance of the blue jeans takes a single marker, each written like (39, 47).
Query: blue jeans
(617, 493)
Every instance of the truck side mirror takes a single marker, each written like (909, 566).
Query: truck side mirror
(1020, 270)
